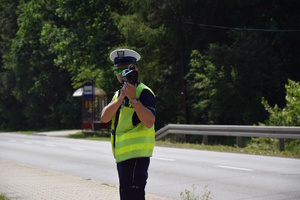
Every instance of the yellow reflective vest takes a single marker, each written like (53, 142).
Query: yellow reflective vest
(130, 141)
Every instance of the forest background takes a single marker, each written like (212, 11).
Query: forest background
(208, 61)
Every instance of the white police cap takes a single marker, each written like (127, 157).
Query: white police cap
(124, 56)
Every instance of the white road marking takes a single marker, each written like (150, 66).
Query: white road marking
(12, 140)
(49, 145)
(27, 142)
(234, 168)
(78, 149)
(164, 159)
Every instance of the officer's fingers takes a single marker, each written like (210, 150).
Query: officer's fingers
(129, 85)
(123, 91)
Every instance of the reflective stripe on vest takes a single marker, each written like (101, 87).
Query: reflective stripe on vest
(132, 141)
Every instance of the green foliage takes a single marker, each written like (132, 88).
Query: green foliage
(267, 144)
(37, 86)
(8, 29)
(287, 116)
(270, 146)
(190, 195)
(81, 39)
(290, 114)
(2, 197)
(225, 83)
(141, 33)
(259, 146)
(200, 73)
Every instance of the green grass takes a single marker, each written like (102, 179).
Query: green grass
(90, 136)
(20, 132)
(2, 197)
(27, 132)
(260, 146)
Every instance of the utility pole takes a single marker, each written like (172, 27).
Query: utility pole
(183, 73)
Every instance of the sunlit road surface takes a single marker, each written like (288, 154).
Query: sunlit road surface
(172, 170)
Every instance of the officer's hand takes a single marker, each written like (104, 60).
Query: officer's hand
(130, 90)
(122, 95)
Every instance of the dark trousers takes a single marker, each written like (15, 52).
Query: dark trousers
(133, 176)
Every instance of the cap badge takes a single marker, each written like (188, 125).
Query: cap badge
(120, 54)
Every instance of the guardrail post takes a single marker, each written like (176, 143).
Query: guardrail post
(239, 141)
(281, 144)
(205, 139)
(177, 138)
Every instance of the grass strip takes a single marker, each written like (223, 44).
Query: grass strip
(261, 149)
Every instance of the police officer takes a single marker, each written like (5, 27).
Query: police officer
(132, 111)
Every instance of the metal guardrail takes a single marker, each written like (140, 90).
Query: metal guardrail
(284, 132)
(281, 132)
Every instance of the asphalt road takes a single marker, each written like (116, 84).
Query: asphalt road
(225, 175)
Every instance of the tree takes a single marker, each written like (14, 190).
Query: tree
(238, 51)
(226, 82)
(175, 28)
(81, 38)
(290, 114)
(38, 85)
(9, 106)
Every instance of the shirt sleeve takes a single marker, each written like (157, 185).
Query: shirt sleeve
(148, 100)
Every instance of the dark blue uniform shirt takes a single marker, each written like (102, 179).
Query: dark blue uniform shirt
(148, 100)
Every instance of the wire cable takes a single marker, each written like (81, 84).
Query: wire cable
(244, 29)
